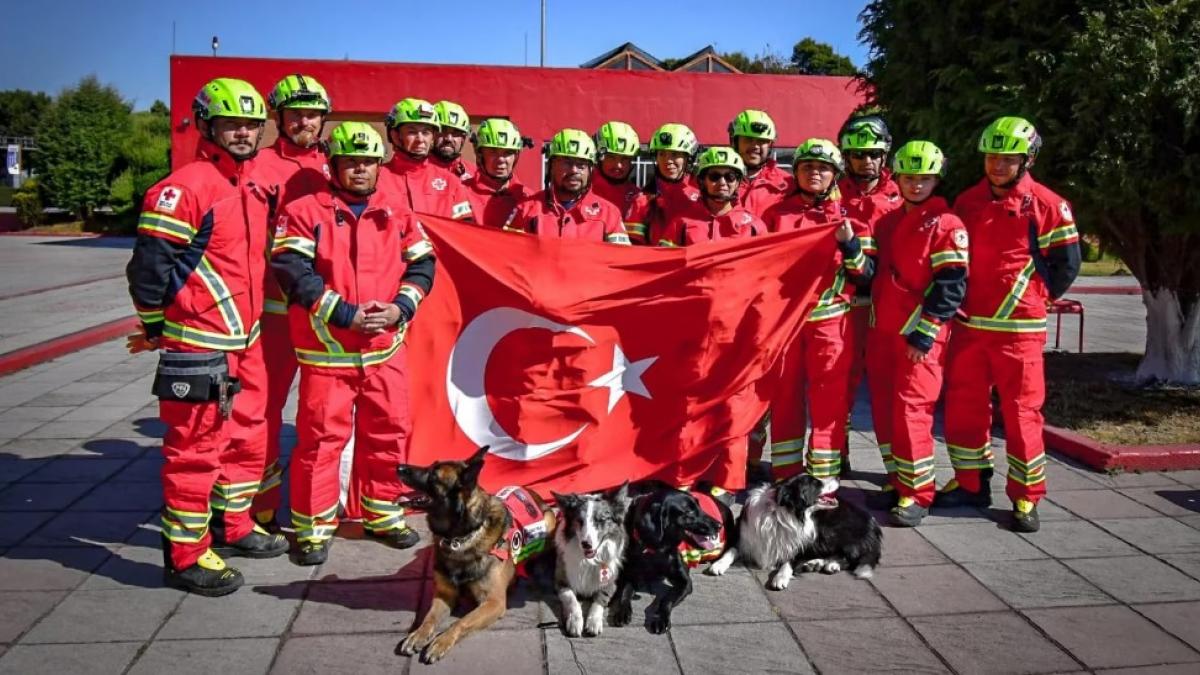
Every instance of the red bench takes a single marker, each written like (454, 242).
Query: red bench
(1065, 306)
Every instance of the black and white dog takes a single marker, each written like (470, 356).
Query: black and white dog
(800, 523)
(590, 544)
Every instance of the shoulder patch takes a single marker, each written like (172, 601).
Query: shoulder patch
(592, 209)
(960, 238)
(1066, 212)
(168, 199)
(438, 184)
(746, 217)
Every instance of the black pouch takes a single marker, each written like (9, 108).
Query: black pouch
(195, 377)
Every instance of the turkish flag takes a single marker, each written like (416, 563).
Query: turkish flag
(585, 364)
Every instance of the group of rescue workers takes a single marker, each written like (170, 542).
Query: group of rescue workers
(349, 265)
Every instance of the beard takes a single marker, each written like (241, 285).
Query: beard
(446, 152)
(305, 138)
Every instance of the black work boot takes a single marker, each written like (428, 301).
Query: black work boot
(953, 494)
(397, 537)
(1025, 517)
(257, 544)
(313, 552)
(266, 520)
(208, 576)
(908, 513)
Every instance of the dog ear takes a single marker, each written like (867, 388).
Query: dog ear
(651, 525)
(567, 502)
(413, 476)
(620, 501)
(469, 478)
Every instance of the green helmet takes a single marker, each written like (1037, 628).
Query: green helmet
(674, 138)
(227, 97)
(919, 158)
(355, 139)
(1011, 136)
(617, 138)
(720, 155)
(819, 150)
(496, 132)
(413, 111)
(299, 92)
(572, 143)
(452, 115)
(752, 124)
(865, 133)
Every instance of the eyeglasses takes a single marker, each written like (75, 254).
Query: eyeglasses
(724, 176)
(865, 154)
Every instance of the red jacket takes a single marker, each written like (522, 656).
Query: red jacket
(767, 188)
(920, 277)
(199, 263)
(330, 262)
(695, 227)
(590, 217)
(869, 207)
(1009, 285)
(291, 172)
(622, 195)
(651, 211)
(425, 187)
(455, 166)
(794, 213)
(491, 206)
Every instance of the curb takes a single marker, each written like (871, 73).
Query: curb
(35, 354)
(1105, 457)
(1106, 290)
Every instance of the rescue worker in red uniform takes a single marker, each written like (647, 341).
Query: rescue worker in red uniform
(494, 189)
(674, 188)
(719, 172)
(196, 277)
(295, 165)
(568, 208)
(920, 280)
(817, 363)
(420, 184)
(1024, 253)
(355, 265)
(868, 193)
(752, 133)
(448, 145)
(617, 146)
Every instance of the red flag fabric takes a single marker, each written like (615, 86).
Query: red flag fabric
(585, 364)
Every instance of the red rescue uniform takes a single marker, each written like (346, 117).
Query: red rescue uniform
(699, 226)
(196, 278)
(292, 172)
(331, 261)
(424, 187)
(456, 167)
(623, 195)
(817, 362)
(1024, 252)
(651, 211)
(588, 217)
(491, 205)
(919, 283)
(766, 188)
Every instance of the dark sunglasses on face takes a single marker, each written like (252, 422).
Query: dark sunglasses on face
(866, 154)
(723, 176)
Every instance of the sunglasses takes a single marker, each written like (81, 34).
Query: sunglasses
(865, 154)
(723, 176)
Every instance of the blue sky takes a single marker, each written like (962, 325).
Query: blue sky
(52, 44)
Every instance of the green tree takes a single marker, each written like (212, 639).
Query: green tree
(143, 158)
(810, 57)
(1114, 88)
(79, 140)
(20, 111)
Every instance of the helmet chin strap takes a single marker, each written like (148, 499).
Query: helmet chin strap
(818, 198)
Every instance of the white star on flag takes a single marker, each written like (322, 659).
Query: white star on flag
(625, 376)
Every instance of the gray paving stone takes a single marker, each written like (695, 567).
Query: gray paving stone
(372, 654)
(980, 541)
(48, 569)
(1078, 539)
(19, 427)
(109, 616)
(827, 596)
(904, 546)
(22, 609)
(836, 647)
(706, 649)
(1190, 477)
(1048, 512)
(933, 589)
(1133, 480)
(1092, 504)
(129, 567)
(14, 468)
(76, 470)
(14, 529)
(74, 528)
(101, 659)
(242, 614)
(196, 657)
(1137, 579)
(112, 447)
(1188, 562)
(269, 572)
(1174, 501)
(1174, 669)
(1012, 645)
(38, 448)
(1037, 583)
(515, 651)
(1062, 477)
(99, 413)
(1191, 521)
(353, 607)
(1112, 636)
(30, 413)
(1177, 618)
(73, 394)
(732, 598)
(1155, 535)
(639, 652)
(351, 559)
(145, 470)
(122, 497)
(76, 429)
(40, 496)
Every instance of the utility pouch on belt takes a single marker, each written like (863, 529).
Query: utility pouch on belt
(195, 377)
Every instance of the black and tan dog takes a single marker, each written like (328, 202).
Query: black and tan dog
(478, 541)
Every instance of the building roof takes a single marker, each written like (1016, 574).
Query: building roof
(630, 49)
(709, 59)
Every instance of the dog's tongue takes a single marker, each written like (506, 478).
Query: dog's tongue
(709, 543)
(589, 554)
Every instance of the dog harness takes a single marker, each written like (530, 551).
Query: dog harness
(691, 554)
(526, 534)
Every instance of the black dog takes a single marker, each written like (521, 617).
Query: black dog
(670, 532)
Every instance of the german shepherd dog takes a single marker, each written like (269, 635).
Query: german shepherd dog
(670, 532)
(590, 544)
(472, 550)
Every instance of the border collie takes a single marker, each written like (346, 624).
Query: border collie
(590, 545)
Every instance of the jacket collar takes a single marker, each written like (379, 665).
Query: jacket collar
(220, 158)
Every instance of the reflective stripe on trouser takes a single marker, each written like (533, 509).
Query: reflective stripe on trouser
(197, 441)
(1013, 363)
(333, 401)
(281, 371)
(243, 462)
(817, 364)
(856, 339)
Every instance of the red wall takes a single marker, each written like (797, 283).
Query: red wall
(539, 100)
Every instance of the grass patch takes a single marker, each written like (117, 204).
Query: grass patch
(1104, 267)
(61, 223)
(1093, 394)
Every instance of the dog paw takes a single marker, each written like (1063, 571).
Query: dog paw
(779, 582)
(414, 643)
(437, 649)
(659, 623)
(594, 625)
(719, 567)
(831, 567)
(622, 615)
(814, 565)
(574, 624)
